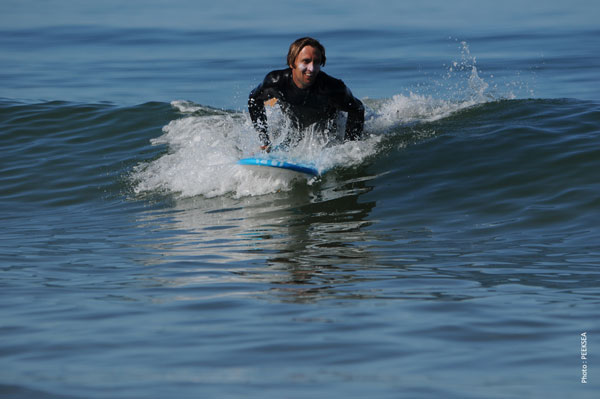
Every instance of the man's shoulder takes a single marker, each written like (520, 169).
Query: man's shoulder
(277, 77)
(329, 83)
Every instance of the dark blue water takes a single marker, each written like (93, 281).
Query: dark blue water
(453, 253)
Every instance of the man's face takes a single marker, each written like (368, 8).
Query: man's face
(306, 67)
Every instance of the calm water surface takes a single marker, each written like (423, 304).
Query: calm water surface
(453, 253)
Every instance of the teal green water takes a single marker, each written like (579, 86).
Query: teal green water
(453, 253)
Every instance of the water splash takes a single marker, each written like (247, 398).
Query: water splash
(204, 145)
(463, 81)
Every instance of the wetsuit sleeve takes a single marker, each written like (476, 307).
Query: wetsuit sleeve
(256, 108)
(256, 105)
(356, 117)
(355, 109)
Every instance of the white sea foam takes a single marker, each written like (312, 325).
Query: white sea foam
(203, 151)
(205, 144)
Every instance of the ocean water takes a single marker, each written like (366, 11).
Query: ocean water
(453, 253)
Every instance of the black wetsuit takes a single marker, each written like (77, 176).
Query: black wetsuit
(318, 104)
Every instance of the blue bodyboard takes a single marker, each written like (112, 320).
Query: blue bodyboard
(287, 165)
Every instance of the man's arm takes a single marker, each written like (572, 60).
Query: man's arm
(256, 108)
(356, 118)
(346, 102)
(267, 90)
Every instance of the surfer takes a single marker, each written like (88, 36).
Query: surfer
(307, 95)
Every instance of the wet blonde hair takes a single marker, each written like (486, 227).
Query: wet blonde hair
(298, 45)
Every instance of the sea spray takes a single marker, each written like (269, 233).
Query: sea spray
(204, 144)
